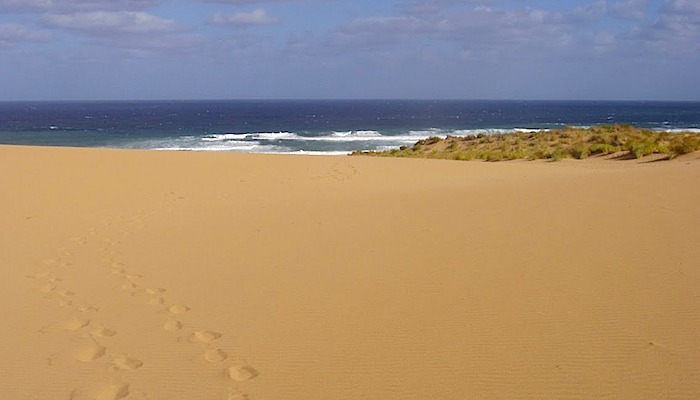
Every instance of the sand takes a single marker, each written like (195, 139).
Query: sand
(172, 275)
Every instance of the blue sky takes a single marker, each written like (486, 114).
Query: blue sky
(229, 49)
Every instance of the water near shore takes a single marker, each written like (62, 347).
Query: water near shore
(310, 126)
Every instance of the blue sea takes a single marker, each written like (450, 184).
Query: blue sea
(311, 126)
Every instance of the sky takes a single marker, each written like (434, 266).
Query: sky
(329, 49)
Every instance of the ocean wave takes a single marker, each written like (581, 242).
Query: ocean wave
(679, 130)
(321, 143)
(361, 134)
(325, 143)
(349, 139)
(314, 153)
(243, 147)
(224, 137)
(274, 136)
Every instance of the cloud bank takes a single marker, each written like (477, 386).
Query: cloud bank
(244, 19)
(392, 48)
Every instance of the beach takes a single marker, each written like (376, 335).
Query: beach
(132, 274)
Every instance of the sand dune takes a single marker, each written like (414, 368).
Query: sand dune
(159, 275)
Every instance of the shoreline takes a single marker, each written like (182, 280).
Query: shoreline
(196, 275)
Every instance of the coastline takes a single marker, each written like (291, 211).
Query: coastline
(231, 276)
(315, 126)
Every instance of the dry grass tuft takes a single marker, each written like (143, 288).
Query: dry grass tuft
(577, 143)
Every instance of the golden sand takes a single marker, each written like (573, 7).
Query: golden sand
(163, 275)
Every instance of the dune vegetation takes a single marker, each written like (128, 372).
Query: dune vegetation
(577, 143)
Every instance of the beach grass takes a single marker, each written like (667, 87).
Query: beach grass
(570, 142)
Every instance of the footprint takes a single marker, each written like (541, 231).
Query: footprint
(103, 332)
(235, 394)
(85, 309)
(39, 275)
(73, 324)
(172, 325)
(155, 290)
(157, 302)
(204, 336)
(89, 352)
(114, 391)
(76, 323)
(127, 363)
(133, 277)
(111, 391)
(215, 355)
(129, 286)
(48, 288)
(79, 240)
(240, 373)
(64, 303)
(178, 309)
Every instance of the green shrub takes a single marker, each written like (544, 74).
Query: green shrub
(553, 145)
(686, 145)
(579, 152)
(429, 141)
(556, 155)
(603, 148)
(495, 156)
(463, 156)
(644, 148)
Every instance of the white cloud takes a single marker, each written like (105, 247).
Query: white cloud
(239, 2)
(242, 19)
(111, 22)
(25, 4)
(677, 25)
(682, 7)
(629, 9)
(14, 33)
(61, 6)
(478, 28)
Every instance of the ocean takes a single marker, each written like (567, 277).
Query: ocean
(311, 126)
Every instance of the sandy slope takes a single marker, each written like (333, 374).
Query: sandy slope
(154, 275)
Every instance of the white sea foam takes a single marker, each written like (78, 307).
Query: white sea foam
(348, 139)
(367, 136)
(691, 130)
(315, 153)
(249, 147)
(254, 136)
(330, 143)
(224, 136)
(274, 136)
(358, 134)
(528, 130)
